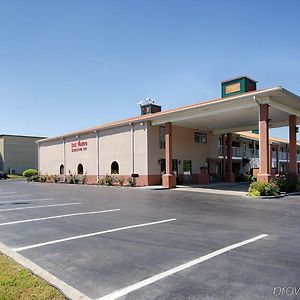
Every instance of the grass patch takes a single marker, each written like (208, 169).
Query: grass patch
(18, 283)
(13, 176)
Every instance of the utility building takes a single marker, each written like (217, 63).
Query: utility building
(18, 153)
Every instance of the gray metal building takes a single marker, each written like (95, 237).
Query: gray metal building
(18, 153)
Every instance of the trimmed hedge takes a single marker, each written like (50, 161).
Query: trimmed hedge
(30, 172)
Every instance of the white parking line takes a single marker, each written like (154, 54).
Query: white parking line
(40, 206)
(20, 200)
(11, 196)
(5, 193)
(58, 217)
(150, 280)
(91, 234)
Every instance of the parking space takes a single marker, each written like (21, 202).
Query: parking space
(113, 243)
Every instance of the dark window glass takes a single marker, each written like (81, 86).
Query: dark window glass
(187, 167)
(61, 170)
(200, 138)
(114, 168)
(162, 140)
(80, 169)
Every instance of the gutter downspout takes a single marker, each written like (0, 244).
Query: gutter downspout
(38, 162)
(132, 147)
(64, 155)
(97, 153)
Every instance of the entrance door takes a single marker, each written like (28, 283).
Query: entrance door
(187, 171)
(236, 170)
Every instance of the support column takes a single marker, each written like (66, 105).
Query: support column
(224, 158)
(230, 177)
(263, 174)
(277, 159)
(292, 144)
(168, 179)
(270, 158)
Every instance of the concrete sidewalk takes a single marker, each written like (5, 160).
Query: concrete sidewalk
(233, 189)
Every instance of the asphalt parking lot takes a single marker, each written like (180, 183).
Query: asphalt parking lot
(112, 243)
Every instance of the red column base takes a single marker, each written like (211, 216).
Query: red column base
(230, 177)
(203, 178)
(263, 177)
(169, 181)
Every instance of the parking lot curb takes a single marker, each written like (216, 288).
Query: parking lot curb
(67, 290)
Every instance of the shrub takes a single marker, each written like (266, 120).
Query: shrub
(43, 178)
(287, 183)
(263, 189)
(121, 180)
(244, 177)
(84, 179)
(30, 172)
(253, 179)
(101, 181)
(35, 178)
(131, 181)
(107, 180)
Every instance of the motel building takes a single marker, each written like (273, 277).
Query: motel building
(209, 141)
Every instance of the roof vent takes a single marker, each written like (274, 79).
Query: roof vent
(237, 85)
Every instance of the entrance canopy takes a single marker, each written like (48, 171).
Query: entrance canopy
(238, 113)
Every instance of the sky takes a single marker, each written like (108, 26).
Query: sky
(68, 64)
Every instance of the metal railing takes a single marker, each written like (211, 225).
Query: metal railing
(253, 153)
(240, 152)
(283, 156)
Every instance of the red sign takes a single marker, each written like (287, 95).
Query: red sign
(79, 146)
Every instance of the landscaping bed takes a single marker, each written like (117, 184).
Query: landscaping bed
(279, 186)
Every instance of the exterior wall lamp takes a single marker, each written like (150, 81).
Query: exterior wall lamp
(270, 122)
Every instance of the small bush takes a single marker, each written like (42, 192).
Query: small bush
(84, 179)
(287, 183)
(35, 178)
(121, 180)
(109, 180)
(263, 189)
(30, 172)
(43, 178)
(101, 181)
(131, 181)
(253, 179)
(244, 177)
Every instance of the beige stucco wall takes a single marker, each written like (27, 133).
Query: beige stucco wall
(87, 157)
(50, 156)
(184, 148)
(114, 145)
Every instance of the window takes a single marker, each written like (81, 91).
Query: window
(162, 163)
(114, 169)
(80, 169)
(200, 138)
(61, 170)
(187, 167)
(236, 144)
(162, 138)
